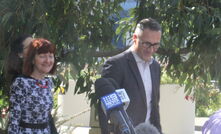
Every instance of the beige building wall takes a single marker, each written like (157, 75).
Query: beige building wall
(177, 114)
(74, 106)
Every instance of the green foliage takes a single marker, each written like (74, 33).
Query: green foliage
(3, 104)
(3, 101)
(87, 77)
(165, 79)
(207, 102)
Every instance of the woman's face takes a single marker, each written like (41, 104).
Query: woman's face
(26, 44)
(43, 63)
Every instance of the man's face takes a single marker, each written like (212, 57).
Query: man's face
(147, 43)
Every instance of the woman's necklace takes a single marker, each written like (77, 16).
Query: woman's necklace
(41, 85)
(38, 83)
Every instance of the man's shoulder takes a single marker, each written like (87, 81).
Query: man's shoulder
(155, 62)
(120, 56)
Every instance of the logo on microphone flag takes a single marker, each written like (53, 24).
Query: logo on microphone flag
(111, 101)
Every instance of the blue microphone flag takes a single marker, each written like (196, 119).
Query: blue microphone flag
(110, 101)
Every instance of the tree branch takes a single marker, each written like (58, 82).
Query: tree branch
(161, 51)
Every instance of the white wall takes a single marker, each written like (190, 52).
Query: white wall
(177, 114)
(74, 105)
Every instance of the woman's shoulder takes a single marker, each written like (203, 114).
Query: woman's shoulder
(19, 78)
(22, 77)
(19, 84)
(48, 78)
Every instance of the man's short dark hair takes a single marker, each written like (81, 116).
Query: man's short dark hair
(149, 23)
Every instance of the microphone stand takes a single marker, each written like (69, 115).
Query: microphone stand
(129, 122)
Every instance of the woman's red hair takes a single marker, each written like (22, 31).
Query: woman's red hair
(37, 46)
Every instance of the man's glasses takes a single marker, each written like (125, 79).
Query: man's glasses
(148, 44)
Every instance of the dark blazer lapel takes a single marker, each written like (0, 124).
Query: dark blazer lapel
(153, 79)
(136, 73)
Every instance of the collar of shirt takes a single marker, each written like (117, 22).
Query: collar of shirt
(139, 60)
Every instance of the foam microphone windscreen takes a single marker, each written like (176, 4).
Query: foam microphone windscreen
(103, 87)
(146, 128)
(114, 83)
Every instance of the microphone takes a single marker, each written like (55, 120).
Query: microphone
(125, 99)
(146, 128)
(111, 105)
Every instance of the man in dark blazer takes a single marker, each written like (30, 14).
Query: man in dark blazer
(138, 73)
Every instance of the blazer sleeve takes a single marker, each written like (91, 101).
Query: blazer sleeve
(17, 98)
(156, 113)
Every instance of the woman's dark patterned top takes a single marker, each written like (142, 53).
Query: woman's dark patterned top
(31, 102)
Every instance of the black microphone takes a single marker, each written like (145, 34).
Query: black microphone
(116, 86)
(112, 105)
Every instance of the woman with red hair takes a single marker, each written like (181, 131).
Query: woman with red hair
(31, 99)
